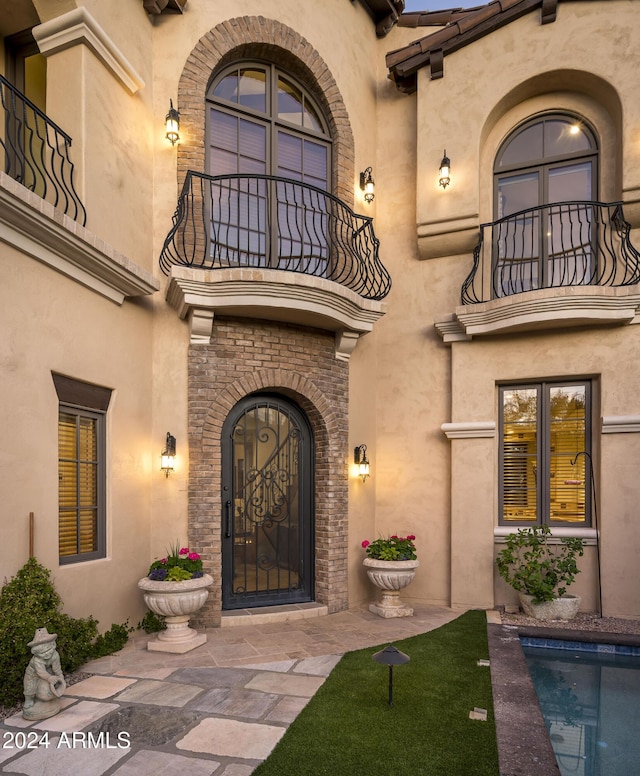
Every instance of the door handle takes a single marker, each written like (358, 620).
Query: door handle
(227, 526)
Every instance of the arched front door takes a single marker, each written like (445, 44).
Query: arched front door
(267, 504)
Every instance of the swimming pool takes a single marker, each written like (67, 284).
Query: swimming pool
(590, 699)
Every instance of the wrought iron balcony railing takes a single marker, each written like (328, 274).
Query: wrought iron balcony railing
(274, 223)
(563, 244)
(36, 152)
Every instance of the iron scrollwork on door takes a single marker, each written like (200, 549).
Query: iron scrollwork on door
(267, 523)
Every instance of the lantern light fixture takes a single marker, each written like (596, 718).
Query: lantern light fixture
(367, 184)
(168, 455)
(172, 124)
(445, 171)
(361, 461)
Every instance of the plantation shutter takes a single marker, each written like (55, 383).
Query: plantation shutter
(81, 466)
(78, 488)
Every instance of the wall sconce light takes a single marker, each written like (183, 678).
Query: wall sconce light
(445, 170)
(168, 455)
(361, 461)
(172, 124)
(367, 184)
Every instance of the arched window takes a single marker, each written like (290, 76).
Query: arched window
(262, 122)
(549, 160)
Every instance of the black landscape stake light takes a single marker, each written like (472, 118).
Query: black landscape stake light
(391, 656)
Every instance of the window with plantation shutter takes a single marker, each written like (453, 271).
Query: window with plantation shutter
(543, 478)
(81, 470)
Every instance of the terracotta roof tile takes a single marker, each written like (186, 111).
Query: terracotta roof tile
(459, 27)
(431, 18)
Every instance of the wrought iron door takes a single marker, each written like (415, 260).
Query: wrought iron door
(267, 520)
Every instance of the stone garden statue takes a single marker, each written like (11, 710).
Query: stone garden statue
(43, 680)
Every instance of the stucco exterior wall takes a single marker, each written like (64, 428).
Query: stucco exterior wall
(579, 64)
(402, 382)
(58, 326)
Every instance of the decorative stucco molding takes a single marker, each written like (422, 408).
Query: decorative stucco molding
(156, 7)
(37, 229)
(631, 199)
(201, 323)
(621, 424)
(546, 308)
(470, 430)
(288, 297)
(346, 342)
(79, 26)
(448, 237)
(588, 535)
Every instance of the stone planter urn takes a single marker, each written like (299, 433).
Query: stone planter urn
(390, 576)
(176, 602)
(564, 608)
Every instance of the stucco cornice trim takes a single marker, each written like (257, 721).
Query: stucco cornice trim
(588, 535)
(79, 26)
(566, 307)
(621, 424)
(288, 297)
(470, 430)
(35, 228)
(448, 237)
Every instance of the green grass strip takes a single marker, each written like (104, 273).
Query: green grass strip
(348, 728)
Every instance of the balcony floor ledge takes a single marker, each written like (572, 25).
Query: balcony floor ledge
(549, 308)
(269, 294)
(35, 228)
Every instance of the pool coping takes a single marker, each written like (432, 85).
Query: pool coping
(524, 748)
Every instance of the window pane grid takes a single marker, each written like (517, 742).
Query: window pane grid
(542, 477)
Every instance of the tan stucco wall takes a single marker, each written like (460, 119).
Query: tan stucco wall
(607, 356)
(580, 63)
(58, 326)
(467, 110)
(403, 381)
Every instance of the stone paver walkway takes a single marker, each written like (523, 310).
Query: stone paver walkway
(218, 710)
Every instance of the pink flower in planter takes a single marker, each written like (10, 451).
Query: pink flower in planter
(365, 544)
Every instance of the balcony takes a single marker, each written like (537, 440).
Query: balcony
(41, 214)
(265, 246)
(559, 265)
(36, 153)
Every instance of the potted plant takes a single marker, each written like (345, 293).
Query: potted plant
(175, 588)
(541, 570)
(391, 565)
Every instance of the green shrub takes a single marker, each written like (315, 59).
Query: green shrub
(531, 563)
(30, 601)
(151, 623)
(112, 641)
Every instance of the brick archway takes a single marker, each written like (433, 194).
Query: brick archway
(318, 383)
(253, 36)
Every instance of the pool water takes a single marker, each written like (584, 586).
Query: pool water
(590, 701)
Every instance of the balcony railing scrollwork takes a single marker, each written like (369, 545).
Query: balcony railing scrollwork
(36, 152)
(550, 246)
(269, 222)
